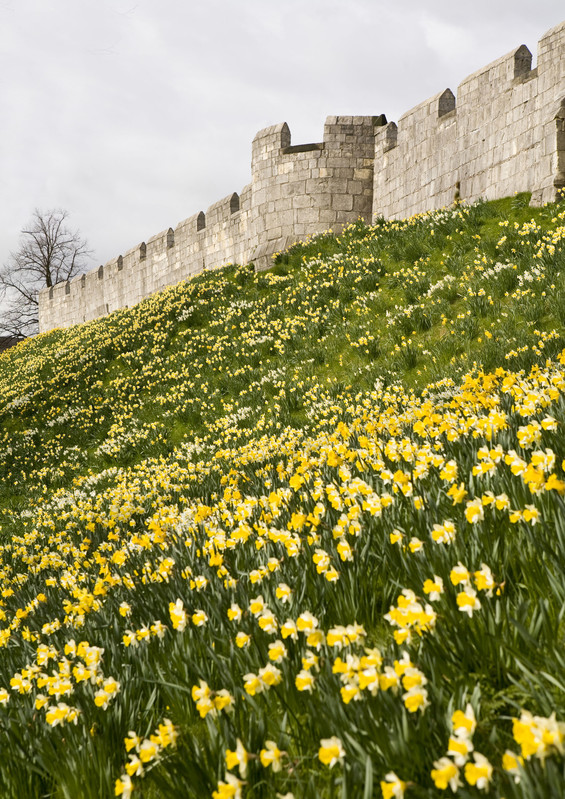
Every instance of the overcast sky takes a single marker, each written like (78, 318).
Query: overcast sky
(134, 114)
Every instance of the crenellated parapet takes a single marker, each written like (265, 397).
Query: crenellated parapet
(502, 132)
(296, 191)
(497, 137)
(301, 189)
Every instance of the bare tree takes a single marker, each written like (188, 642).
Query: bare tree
(49, 252)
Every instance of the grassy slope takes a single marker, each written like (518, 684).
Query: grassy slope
(135, 446)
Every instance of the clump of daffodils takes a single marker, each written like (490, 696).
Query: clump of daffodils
(537, 736)
(447, 770)
(410, 616)
(144, 754)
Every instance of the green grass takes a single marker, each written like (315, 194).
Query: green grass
(356, 305)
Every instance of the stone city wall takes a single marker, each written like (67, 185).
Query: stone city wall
(295, 192)
(498, 137)
(503, 133)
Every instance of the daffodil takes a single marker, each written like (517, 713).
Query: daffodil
(433, 588)
(230, 788)
(148, 751)
(123, 786)
(459, 748)
(283, 592)
(459, 574)
(474, 511)
(444, 533)
(464, 722)
(484, 579)
(178, 615)
(237, 757)
(479, 772)
(445, 774)
(234, 612)
(271, 756)
(277, 652)
(199, 618)
(288, 630)
(392, 787)
(304, 680)
(134, 766)
(467, 601)
(331, 751)
(512, 763)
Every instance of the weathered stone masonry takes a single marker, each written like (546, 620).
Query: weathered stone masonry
(499, 137)
(503, 133)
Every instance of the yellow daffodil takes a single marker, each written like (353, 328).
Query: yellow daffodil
(331, 751)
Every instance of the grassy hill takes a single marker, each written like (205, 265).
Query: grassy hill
(297, 532)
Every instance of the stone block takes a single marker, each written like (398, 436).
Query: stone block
(344, 172)
(342, 202)
(355, 187)
(336, 161)
(308, 216)
(362, 206)
(363, 173)
(337, 186)
(317, 186)
(322, 200)
(294, 189)
(274, 232)
(328, 219)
